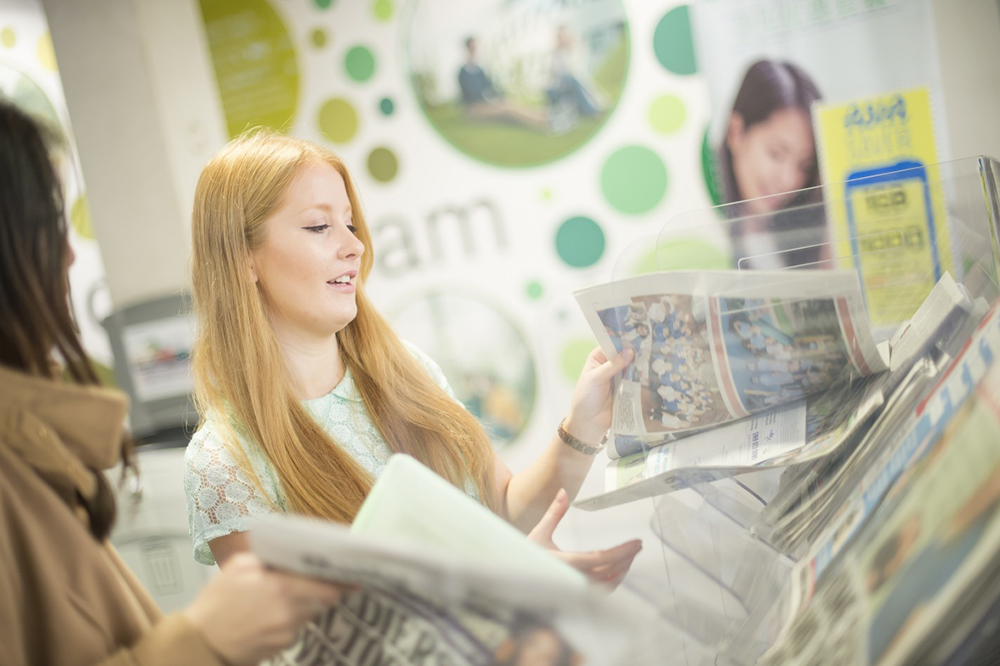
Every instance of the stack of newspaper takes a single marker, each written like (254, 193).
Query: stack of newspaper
(742, 371)
(907, 569)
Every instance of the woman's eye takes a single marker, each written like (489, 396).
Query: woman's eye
(317, 228)
(352, 228)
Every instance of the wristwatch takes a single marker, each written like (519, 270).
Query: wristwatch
(574, 443)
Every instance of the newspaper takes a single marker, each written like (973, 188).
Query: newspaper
(790, 435)
(922, 573)
(422, 601)
(715, 346)
(873, 599)
(811, 494)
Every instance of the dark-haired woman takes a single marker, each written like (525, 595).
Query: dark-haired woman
(66, 599)
(767, 157)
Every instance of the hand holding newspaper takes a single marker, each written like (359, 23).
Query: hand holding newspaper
(442, 578)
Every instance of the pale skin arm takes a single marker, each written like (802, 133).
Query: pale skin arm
(525, 496)
(538, 497)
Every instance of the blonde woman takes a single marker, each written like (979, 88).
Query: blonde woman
(66, 597)
(305, 390)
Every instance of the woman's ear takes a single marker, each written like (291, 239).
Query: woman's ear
(735, 130)
(252, 270)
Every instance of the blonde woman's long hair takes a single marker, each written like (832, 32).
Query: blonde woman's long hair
(242, 382)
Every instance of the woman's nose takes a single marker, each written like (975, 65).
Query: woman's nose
(789, 178)
(351, 246)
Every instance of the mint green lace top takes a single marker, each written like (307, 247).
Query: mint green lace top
(221, 499)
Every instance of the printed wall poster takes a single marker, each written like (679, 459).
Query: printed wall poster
(884, 197)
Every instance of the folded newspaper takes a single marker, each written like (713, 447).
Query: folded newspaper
(442, 580)
(715, 346)
(829, 418)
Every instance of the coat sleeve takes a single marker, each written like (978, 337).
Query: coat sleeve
(173, 641)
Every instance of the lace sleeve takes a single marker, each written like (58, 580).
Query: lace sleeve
(221, 498)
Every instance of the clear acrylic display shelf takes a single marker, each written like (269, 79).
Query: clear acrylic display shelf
(711, 578)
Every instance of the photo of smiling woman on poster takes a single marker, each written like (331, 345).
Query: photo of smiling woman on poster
(767, 154)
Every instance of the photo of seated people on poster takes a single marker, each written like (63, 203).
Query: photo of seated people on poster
(517, 84)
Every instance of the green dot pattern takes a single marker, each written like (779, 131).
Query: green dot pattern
(673, 43)
(667, 114)
(360, 64)
(634, 180)
(580, 242)
(682, 254)
(574, 356)
(383, 165)
(338, 120)
(709, 170)
(386, 106)
(382, 9)
(7, 37)
(318, 38)
(534, 290)
(324, 4)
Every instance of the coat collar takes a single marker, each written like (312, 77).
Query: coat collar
(61, 429)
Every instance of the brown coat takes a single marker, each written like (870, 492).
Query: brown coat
(65, 598)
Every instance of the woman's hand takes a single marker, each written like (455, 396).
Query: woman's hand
(590, 407)
(606, 567)
(249, 613)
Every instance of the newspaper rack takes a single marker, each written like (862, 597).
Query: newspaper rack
(726, 576)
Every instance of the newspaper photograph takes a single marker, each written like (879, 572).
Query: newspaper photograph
(714, 346)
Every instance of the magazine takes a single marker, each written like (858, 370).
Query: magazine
(440, 585)
(715, 346)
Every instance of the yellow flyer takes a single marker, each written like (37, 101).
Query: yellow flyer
(884, 199)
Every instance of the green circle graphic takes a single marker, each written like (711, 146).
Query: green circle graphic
(682, 254)
(534, 290)
(510, 98)
(673, 42)
(382, 164)
(386, 106)
(634, 179)
(79, 215)
(324, 4)
(8, 38)
(574, 357)
(382, 9)
(338, 120)
(667, 114)
(580, 242)
(318, 38)
(709, 170)
(255, 63)
(360, 63)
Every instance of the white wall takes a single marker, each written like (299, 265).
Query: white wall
(968, 34)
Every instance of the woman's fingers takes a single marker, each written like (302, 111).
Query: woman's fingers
(602, 565)
(546, 527)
